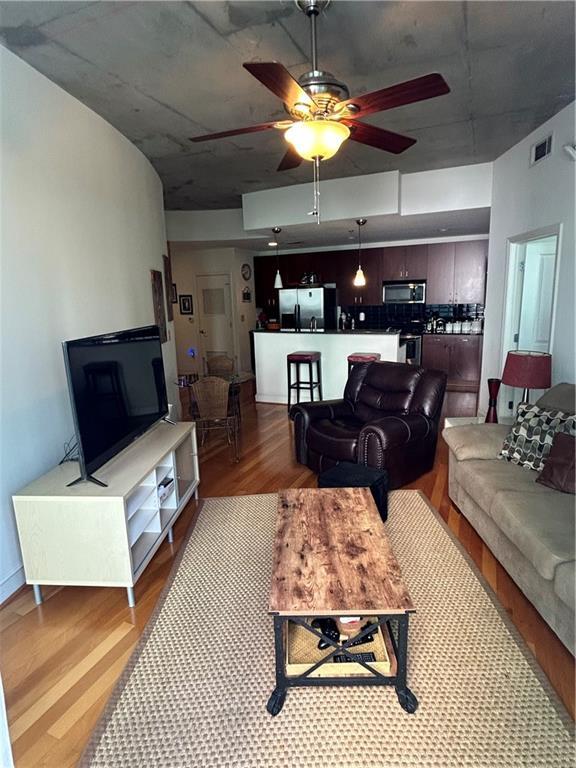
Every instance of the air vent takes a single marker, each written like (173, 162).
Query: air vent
(540, 150)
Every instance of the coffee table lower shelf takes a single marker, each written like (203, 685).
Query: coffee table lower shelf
(299, 662)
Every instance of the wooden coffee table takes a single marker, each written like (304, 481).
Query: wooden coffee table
(332, 558)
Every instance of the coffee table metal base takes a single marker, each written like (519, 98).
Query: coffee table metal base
(399, 640)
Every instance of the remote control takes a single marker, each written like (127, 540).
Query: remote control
(341, 657)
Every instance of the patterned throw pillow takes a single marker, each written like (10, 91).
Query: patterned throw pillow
(530, 439)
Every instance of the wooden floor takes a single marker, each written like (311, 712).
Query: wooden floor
(60, 661)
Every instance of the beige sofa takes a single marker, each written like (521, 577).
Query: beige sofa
(528, 527)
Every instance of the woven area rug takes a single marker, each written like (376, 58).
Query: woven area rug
(195, 691)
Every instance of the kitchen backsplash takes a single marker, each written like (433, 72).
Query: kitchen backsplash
(382, 316)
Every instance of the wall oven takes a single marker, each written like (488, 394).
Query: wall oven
(401, 292)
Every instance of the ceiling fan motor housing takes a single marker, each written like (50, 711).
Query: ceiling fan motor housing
(325, 90)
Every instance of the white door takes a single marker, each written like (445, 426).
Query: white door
(537, 295)
(215, 316)
(529, 306)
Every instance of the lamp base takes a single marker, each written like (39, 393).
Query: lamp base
(492, 413)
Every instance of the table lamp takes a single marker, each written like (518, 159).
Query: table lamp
(529, 370)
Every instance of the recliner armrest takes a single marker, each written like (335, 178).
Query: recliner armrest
(323, 409)
(303, 414)
(392, 431)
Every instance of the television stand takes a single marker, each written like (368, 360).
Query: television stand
(104, 535)
(88, 479)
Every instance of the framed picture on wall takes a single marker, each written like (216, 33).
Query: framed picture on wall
(168, 286)
(186, 307)
(158, 301)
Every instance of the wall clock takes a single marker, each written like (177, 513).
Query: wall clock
(246, 271)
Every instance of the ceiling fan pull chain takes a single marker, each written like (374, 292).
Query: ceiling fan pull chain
(317, 189)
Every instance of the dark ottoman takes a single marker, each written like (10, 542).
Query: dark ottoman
(348, 475)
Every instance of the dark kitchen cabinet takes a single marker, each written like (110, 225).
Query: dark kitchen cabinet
(393, 264)
(470, 260)
(404, 263)
(440, 280)
(416, 264)
(460, 356)
(371, 293)
(266, 295)
(457, 273)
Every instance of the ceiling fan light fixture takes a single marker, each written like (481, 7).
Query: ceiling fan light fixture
(317, 138)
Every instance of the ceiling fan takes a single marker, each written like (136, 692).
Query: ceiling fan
(322, 114)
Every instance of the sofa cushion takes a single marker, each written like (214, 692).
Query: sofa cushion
(476, 441)
(560, 467)
(542, 526)
(562, 397)
(336, 438)
(482, 480)
(565, 583)
(531, 436)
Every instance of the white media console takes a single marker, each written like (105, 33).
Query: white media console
(86, 535)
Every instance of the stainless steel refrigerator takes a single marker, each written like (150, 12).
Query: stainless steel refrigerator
(308, 309)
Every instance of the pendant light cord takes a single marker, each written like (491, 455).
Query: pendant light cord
(359, 244)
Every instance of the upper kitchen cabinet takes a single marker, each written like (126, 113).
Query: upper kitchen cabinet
(470, 261)
(457, 273)
(393, 263)
(440, 281)
(348, 293)
(416, 264)
(405, 263)
(264, 274)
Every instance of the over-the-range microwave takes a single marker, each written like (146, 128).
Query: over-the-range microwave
(401, 292)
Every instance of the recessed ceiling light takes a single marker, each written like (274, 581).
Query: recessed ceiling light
(443, 229)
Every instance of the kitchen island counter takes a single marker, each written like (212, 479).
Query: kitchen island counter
(272, 347)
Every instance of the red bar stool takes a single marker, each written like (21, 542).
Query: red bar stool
(304, 358)
(362, 357)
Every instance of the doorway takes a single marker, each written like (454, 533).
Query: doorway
(529, 314)
(216, 331)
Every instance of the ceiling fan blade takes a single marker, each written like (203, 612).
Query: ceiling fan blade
(236, 132)
(378, 137)
(426, 87)
(290, 160)
(277, 79)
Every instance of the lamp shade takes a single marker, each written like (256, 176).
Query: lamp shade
(317, 138)
(529, 370)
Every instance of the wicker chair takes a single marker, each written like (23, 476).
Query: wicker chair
(211, 397)
(220, 365)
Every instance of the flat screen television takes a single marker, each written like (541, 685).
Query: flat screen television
(117, 389)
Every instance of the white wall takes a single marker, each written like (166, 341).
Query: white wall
(446, 189)
(82, 225)
(370, 195)
(189, 262)
(223, 224)
(526, 199)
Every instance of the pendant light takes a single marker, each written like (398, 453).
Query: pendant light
(359, 279)
(278, 279)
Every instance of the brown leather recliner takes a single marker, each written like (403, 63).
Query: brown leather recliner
(388, 419)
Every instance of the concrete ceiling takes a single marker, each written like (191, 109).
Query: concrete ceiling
(164, 71)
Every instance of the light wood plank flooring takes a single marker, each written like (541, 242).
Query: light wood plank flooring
(60, 661)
